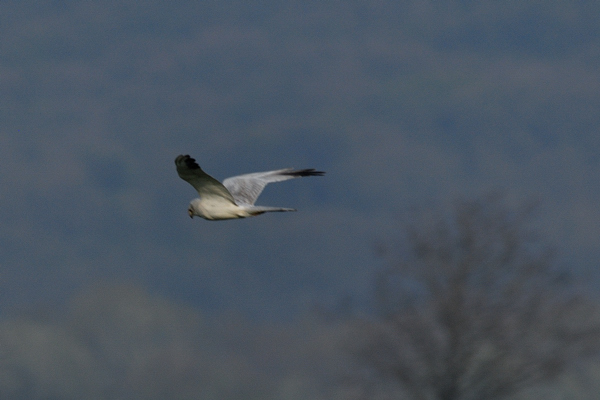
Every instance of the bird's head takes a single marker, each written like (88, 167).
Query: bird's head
(195, 209)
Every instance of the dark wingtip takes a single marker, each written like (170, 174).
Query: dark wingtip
(306, 172)
(187, 160)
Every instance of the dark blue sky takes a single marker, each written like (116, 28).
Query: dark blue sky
(402, 105)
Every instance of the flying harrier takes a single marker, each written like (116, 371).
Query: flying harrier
(235, 197)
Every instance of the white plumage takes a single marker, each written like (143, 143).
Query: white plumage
(235, 197)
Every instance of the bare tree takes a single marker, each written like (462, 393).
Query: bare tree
(478, 310)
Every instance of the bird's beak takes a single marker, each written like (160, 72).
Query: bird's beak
(191, 214)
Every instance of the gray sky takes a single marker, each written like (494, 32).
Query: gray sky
(402, 105)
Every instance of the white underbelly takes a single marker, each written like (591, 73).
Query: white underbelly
(221, 210)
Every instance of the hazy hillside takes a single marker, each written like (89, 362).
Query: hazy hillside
(404, 104)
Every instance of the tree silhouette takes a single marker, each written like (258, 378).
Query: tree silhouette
(478, 310)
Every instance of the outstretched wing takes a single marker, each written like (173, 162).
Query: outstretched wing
(246, 188)
(206, 185)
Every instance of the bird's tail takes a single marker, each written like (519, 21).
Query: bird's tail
(256, 210)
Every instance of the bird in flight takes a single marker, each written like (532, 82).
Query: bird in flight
(235, 197)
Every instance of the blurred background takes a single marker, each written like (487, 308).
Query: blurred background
(108, 290)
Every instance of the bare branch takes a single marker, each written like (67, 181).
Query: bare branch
(479, 310)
